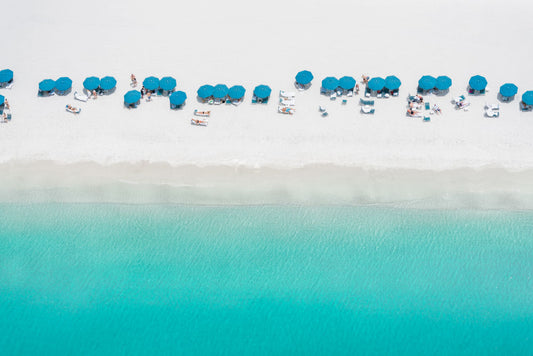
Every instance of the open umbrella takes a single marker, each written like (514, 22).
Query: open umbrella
(91, 83)
(347, 83)
(330, 83)
(151, 83)
(6, 76)
(178, 98)
(205, 91)
(220, 91)
(262, 91)
(167, 83)
(107, 83)
(236, 92)
(132, 97)
(478, 82)
(443, 82)
(47, 85)
(527, 97)
(63, 84)
(427, 82)
(304, 77)
(508, 90)
(376, 84)
(392, 82)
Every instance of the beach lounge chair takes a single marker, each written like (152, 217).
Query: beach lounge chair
(287, 102)
(325, 113)
(199, 121)
(344, 101)
(202, 113)
(349, 93)
(72, 109)
(427, 106)
(427, 118)
(366, 102)
(81, 96)
(367, 109)
(287, 94)
(492, 110)
(333, 96)
(285, 110)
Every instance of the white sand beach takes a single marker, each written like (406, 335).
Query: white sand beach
(238, 42)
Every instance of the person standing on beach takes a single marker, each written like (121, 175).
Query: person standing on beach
(133, 80)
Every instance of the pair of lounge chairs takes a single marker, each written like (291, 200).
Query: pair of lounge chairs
(367, 106)
(492, 110)
(287, 102)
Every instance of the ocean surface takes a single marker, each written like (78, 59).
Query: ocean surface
(113, 279)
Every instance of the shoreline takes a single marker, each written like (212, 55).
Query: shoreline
(145, 183)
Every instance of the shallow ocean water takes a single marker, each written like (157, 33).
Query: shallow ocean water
(173, 279)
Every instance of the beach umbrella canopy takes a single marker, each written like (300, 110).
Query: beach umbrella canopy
(236, 92)
(220, 91)
(2, 99)
(508, 90)
(347, 83)
(478, 82)
(304, 77)
(178, 98)
(427, 82)
(6, 75)
(443, 82)
(167, 83)
(205, 91)
(262, 91)
(91, 83)
(330, 83)
(392, 82)
(107, 83)
(527, 97)
(151, 83)
(132, 97)
(376, 84)
(47, 85)
(63, 84)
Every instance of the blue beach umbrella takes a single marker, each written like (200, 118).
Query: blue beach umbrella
(167, 83)
(47, 85)
(205, 91)
(330, 83)
(527, 97)
(2, 100)
(91, 83)
(178, 98)
(427, 82)
(63, 84)
(132, 97)
(443, 82)
(304, 77)
(347, 83)
(151, 83)
(107, 83)
(6, 76)
(376, 84)
(236, 92)
(392, 82)
(220, 91)
(262, 91)
(508, 90)
(478, 82)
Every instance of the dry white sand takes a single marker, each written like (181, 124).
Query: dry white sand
(250, 43)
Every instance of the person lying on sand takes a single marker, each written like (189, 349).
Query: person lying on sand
(70, 107)
(412, 112)
(436, 109)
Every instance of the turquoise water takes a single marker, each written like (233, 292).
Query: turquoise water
(164, 279)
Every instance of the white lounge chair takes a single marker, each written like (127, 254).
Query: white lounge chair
(367, 109)
(333, 96)
(287, 94)
(286, 110)
(287, 102)
(492, 110)
(80, 96)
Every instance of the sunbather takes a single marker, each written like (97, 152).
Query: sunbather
(414, 104)
(412, 112)
(94, 94)
(436, 109)
(365, 79)
(6, 104)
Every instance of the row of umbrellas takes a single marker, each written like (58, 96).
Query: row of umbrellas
(93, 83)
(61, 84)
(165, 83)
(176, 98)
(428, 82)
(236, 92)
(391, 83)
